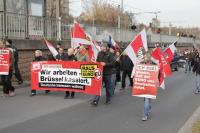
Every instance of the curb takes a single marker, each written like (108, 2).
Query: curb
(187, 127)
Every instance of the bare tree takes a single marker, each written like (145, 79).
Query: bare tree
(102, 13)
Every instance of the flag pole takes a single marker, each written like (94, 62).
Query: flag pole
(120, 55)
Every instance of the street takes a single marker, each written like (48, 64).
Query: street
(54, 114)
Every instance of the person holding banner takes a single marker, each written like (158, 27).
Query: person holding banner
(82, 54)
(147, 101)
(70, 57)
(107, 61)
(58, 46)
(38, 57)
(61, 56)
(114, 69)
(8, 89)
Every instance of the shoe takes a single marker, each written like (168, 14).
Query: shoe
(122, 89)
(47, 91)
(66, 97)
(11, 94)
(72, 97)
(4, 95)
(144, 118)
(94, 103)
(32, 94)
(118, 83)
(20, 82)
(196, 92)
(108, 101)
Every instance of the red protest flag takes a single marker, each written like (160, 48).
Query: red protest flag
(157, 54)
(136, 49)
(93, 52)
(51, 48)
(170, 51)
(78, 36)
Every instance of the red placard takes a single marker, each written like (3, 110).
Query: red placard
(145, 81)
(85, 77)
(4, 61)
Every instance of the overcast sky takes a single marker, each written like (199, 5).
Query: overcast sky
(178, 12)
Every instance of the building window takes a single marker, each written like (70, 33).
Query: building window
(36, 7)
(1, 5)
(16, 6)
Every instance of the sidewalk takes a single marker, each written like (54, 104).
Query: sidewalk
(187, 127)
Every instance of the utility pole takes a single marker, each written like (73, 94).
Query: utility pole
(170, 28)
(4, 12)
(44, 18)
(93, 27)
(122, 6)
(58, 19)
(57, 9)
(119, 23)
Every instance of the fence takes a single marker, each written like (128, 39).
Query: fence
(19, 26)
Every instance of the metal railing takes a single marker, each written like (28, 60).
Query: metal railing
(1, 24)
(19, 26)
(15, 26)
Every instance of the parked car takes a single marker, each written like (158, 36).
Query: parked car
(177, 62)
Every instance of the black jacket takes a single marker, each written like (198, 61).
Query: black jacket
(15, 53)
(126, 63)
(116, 66)
(196, 67)
(109, 60)
(61, 56)
(71, 58)
(40, 58)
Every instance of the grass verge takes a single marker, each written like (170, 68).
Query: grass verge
(196, 127)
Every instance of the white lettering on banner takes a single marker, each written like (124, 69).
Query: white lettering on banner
(51, 66)
(61, 75)
(147, 68)
(4, 51)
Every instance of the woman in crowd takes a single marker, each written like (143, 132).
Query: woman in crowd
(38, 57)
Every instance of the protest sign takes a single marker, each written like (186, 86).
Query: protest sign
(4, 61)
(145, 81)
(85, 77)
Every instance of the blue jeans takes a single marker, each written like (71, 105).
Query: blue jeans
(147, 106)
(108, 85)
(113, 82)
(188, 66)
(197, 83)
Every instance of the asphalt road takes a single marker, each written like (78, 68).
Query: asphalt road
(53, 114)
